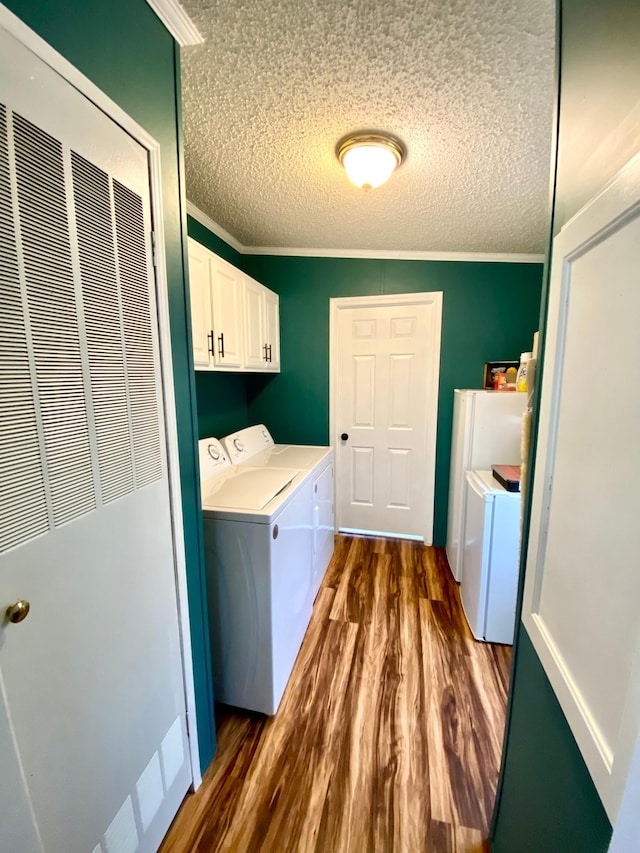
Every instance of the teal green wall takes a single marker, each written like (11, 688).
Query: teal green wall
(490, 311)
(548, 801)
(216, 244)
(546, 798)
(125, 50)
(222, 403)
(221, 397)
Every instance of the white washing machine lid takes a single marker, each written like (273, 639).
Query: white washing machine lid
(249, 489)
(254, 446)
(291, 456)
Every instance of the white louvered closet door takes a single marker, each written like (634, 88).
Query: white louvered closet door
(92, 717)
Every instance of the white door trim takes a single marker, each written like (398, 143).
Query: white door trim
(38, 46)
(432, 298)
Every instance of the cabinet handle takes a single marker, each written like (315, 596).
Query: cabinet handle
(221, 344)
(269, 352)
(210, 342)
(265, 353)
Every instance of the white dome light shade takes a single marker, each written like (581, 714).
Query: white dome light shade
(369, 166)
(369, 159)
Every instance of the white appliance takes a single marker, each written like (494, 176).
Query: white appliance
(254, 446)
(486, 432)
(258, 532)
(490, 558)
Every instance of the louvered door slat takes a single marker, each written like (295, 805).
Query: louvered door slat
(101, 298)
(53, 315)
(138, 334)
(23, 507)
(87, 340)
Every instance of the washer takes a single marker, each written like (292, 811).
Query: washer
(254, 446)
(258, 527)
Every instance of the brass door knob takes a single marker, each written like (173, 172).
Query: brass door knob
(18, 611)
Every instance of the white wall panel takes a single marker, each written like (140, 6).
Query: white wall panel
(582, 584)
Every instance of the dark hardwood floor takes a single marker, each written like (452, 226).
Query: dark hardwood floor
(389, 734)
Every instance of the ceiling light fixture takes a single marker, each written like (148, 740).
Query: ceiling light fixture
(370, 158)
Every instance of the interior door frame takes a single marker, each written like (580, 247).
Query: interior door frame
(432, 380)
(38, 46)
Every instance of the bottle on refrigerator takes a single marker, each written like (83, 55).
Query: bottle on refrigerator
(521, 378)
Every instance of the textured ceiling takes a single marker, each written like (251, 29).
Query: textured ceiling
(466, 84)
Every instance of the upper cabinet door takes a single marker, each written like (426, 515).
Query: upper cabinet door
(200, 290)
(226, 301)
(254, 318)
(272, 329)
(262, 327)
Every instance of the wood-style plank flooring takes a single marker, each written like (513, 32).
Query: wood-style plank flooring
(389, 734)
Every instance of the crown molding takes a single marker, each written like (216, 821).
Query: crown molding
(373, 254)
(176, 20)
(391, 255)
(216, 229)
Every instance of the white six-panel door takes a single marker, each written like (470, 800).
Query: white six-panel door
(92, 706)
(384, 389)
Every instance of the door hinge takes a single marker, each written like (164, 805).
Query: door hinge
(186, 719)
(154, 250)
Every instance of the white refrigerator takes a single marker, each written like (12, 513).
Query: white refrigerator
(490, 558)
(486, 432)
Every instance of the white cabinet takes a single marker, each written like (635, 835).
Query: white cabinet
(262, 327)
(200, 290)
(254, 341)
(226, 305)
(272, 328)
(234, 319)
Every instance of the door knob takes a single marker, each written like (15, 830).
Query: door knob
(18, 611)
(344, 436)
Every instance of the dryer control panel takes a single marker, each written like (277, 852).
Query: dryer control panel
(212, 457)
(242, 445)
